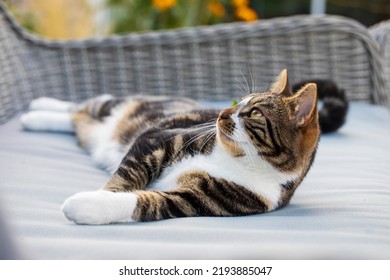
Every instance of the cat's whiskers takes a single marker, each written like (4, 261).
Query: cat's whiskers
(204, 134)
(242, 89)
(244, 146)
(248, 85)
(241, 86)
(252, 80)
(208, 138)
(210, 125)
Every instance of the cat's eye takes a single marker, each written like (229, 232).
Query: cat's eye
(255, 113)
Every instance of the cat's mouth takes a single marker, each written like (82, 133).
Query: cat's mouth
(224, 136)
(225, 130)
(226, 133)
(229, 143)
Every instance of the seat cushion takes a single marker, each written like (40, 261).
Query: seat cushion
(341, 210)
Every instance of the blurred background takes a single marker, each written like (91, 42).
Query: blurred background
(75, 19)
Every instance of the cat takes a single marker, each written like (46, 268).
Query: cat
(171, 157)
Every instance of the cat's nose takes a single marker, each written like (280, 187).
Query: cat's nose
(224, 115)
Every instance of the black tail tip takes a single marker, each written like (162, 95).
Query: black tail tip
(333, 114)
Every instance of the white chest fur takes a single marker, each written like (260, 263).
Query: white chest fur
(253, 174)
(106, 151)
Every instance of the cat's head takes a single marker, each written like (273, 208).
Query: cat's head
(279, 126)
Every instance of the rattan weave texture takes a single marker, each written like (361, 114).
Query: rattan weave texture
(211, 63)
(381, 33)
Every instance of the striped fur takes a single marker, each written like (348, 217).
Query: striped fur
(170, 157)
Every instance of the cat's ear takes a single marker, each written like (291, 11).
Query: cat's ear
(305, 105)
(281, 85)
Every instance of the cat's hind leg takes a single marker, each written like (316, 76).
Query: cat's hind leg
(49, 114)
(47, 121)
(90, 106)
(52, 105)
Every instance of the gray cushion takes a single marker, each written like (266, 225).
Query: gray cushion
(342, 209)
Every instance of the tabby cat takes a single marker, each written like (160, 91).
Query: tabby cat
(170, 157)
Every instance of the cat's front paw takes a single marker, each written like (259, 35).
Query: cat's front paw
(100, 207)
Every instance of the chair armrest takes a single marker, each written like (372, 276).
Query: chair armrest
(381, 33)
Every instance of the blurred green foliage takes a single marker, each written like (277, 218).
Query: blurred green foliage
(124, 16)
(143, 15)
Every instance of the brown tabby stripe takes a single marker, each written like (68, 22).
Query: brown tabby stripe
(98, 109)
(277, 148)
(287, 192)
(199, 195)
(271, 145)
(252, 131)
(106, 107)
(290, 185)
(286, 160)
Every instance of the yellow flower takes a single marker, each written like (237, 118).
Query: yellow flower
(217, 9)
(164, 5)
(246, 13)
(239, 3)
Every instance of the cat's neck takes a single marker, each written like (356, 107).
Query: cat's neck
(251, 172)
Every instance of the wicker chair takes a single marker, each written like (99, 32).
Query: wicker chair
(340, 211)
(203, 63)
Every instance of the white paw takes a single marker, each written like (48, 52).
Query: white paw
(47, 121)
(50, 104)
(100, 207)
(33, 121)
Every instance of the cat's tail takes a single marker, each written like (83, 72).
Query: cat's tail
(334, 110)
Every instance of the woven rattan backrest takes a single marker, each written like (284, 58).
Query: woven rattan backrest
(381, 33)
(203, 63)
